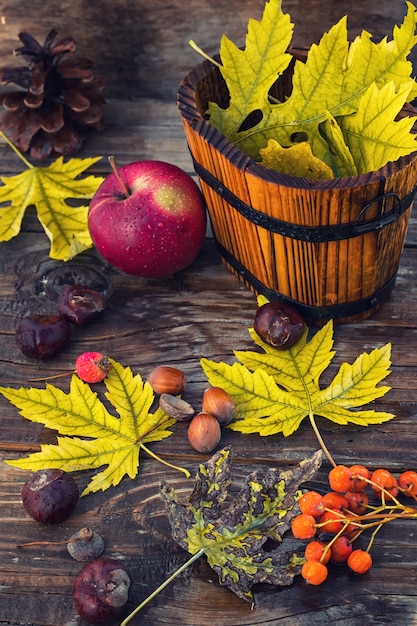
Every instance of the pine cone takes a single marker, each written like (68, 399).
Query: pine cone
(59, 102)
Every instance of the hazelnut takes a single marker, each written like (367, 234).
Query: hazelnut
(176, 407)
(220, 404)
(204, 433)
(166, 379)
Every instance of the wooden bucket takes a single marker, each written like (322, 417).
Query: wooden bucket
(329, 248)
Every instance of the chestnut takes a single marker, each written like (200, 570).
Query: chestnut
(42, 336)
(100, 591)
(80, 304)
(279, 325)
(50, 495)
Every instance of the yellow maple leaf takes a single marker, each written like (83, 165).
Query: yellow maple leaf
(50, 189)
(95, 438)
(276, 390)
(297, 160)
(334, 81)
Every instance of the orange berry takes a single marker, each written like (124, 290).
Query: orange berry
(407, 482)
(359, 472)
(335, 501)
(341, 479)
(384, 484)
(330, 522)
(314, 572)
(316, 551)
(312, 503)
(304, 526)
(359, 561)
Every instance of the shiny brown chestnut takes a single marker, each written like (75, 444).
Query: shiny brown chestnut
(279, 325)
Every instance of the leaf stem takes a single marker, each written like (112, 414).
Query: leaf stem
(161, 587)
(13, 147)
(320, 440)
(197, 48)
(158, 458)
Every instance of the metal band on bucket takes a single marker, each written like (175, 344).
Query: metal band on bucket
(309, 312)
(313, 234)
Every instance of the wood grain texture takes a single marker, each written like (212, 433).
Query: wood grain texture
(205, 311)
(141, 48)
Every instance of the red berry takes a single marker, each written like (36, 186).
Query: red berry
(357, 501)
(92, 367)
(340, 549)
(341, 479)
(384, 484)
(312, 503)
(303, 526)
(407, 482)
(359, 561)
(316, 551)
(314, 572)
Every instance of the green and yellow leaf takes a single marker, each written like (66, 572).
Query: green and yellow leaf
(232, 532)
(297, 160)
(248, 72)
(276, 390)
(372, 134)
(51, 190)
(94, 437)
(335, 83)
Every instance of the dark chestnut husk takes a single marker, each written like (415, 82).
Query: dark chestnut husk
(50, 495)
(100, 591)
(80, 304)
(42, 336)
(279, 325)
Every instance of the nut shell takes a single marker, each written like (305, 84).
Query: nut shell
(175, 407)
(85, 545)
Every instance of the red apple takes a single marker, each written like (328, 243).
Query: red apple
(148, 219)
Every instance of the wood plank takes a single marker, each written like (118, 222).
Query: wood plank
(203, 312)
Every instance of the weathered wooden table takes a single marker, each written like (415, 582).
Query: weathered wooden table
(203, 312)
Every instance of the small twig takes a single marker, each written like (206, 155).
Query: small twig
(161, 587)
(203, 54)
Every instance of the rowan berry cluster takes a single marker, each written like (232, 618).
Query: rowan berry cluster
(334, 521)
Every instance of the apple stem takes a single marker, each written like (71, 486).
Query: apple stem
(120, 180)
